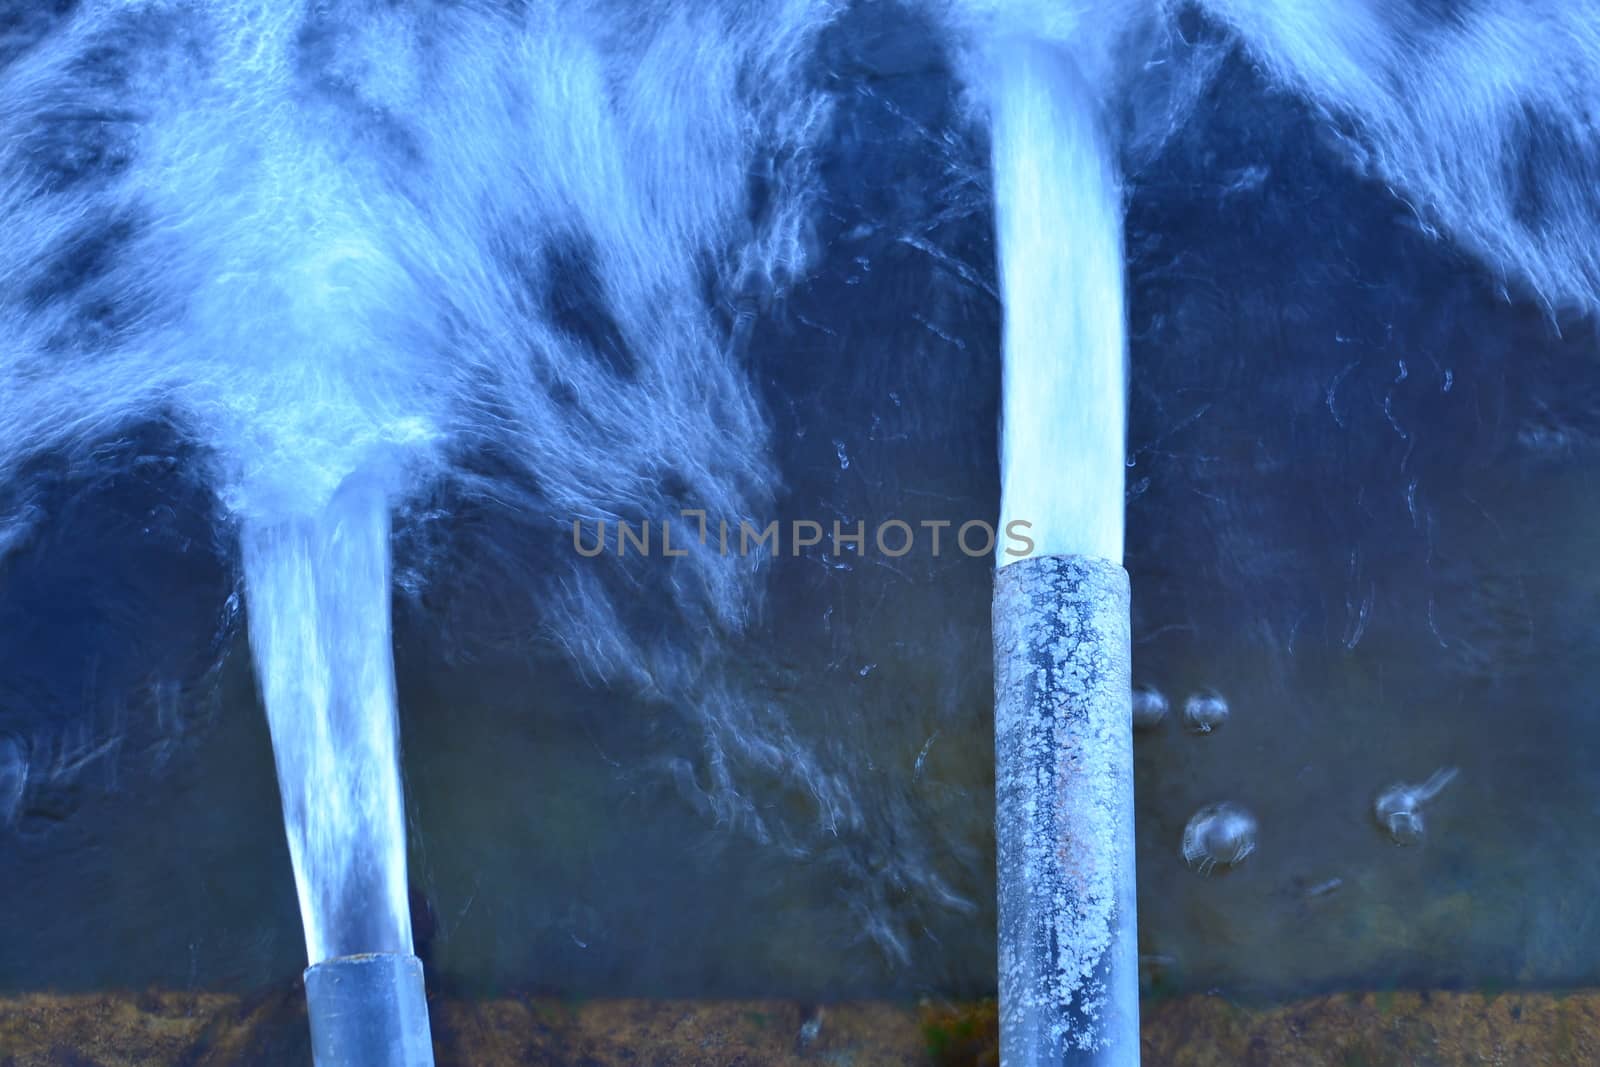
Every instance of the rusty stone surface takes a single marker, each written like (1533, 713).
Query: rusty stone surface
(1366, 1030)
(1380, 1030)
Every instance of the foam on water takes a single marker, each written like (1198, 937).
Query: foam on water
(1485, 117)
(1481, 116)
(312, 239)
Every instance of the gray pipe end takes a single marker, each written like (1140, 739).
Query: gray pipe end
(1068, 949)
(368, 1011)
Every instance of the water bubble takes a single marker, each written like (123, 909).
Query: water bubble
(1149, 707)
(1204, 711)
(1219, 835)
(1398, 808)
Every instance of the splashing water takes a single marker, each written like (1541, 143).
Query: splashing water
(1484, 117)
(1481, 117)
(356, 252)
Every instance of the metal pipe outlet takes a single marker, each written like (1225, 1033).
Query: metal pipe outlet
(368, 1011)
(1069, 965)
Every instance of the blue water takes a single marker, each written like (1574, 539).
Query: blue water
(1058, 229)
(466, 274)
(318, 597)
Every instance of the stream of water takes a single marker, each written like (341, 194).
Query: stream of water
(1058, 211)
(318, 597)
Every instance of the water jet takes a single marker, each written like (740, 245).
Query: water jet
(318, 596)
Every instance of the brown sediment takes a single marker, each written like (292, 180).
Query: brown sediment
(1419, 1029)
(1342, 1030)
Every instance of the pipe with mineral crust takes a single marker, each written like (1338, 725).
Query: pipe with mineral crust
(368, 1011)
(1069, 981)
(1069, 989)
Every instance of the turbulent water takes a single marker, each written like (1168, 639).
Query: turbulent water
(475, 271)
(467, 242)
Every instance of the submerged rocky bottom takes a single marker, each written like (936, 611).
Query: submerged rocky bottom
(1415, 1029)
